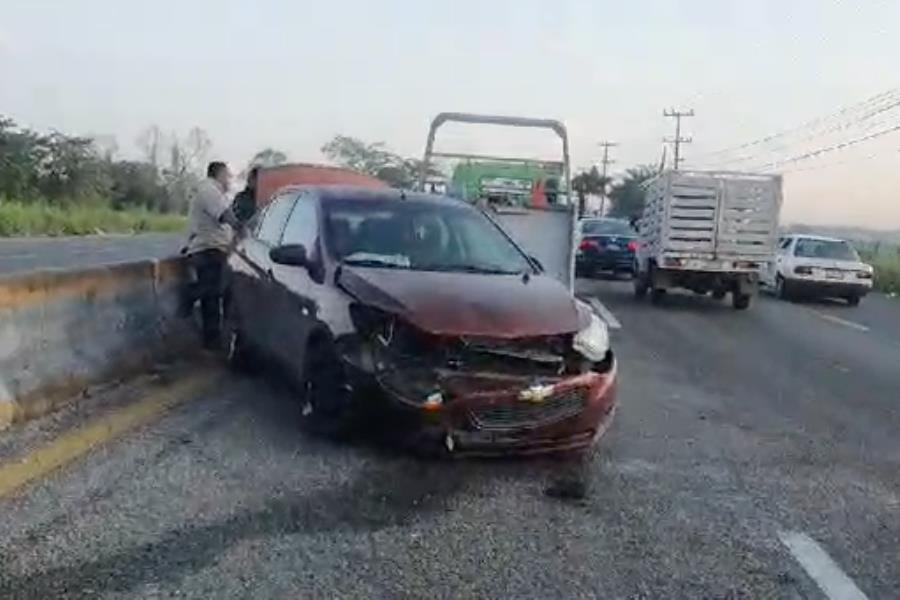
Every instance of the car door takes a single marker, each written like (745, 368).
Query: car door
(259, 319)
(294, 288)
(243, 280)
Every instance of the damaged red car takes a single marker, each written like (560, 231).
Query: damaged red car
(422, 308)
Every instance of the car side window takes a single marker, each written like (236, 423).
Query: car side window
(273, 220)
(254, 224)
(303, 225)
(785, 243)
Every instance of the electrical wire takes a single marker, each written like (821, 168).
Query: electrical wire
(835, 128)
(874, 100)
(828, 149)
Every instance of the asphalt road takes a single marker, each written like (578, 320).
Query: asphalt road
(28, 254)
(754, 455)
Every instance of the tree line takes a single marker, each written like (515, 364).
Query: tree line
(68, 170)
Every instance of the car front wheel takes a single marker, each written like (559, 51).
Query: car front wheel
(781, 291)
(325, 402)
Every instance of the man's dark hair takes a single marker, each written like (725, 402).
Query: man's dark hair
(214, 168)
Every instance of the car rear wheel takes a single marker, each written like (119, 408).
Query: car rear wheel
(325, 403)
(718, 294)
(853, 300)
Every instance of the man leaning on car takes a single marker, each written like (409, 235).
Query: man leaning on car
(210, 234)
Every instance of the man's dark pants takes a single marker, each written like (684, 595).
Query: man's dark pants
(208, 266)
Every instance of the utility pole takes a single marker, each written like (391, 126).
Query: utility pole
(678, 140)
(606, 145)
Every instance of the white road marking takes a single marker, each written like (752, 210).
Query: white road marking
(604, 313)
(833, 582)
(841, 321)
(10, 256)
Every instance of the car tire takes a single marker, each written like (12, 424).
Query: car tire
(718, 294)
(781, 288)
(657, 295)
(325, 402)
(853, 300)
(740, 301)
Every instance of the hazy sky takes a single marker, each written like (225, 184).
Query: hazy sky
(291, 74)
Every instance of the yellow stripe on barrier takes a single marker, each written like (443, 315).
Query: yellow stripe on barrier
(20, 290)
(72, 445)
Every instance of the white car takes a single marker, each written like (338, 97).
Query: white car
(815, 266)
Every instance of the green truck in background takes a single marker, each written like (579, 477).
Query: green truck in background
(510, 184)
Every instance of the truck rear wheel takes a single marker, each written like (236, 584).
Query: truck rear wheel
(740, 301)
(640, 285)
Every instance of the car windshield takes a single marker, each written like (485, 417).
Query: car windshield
(830, 249)
(420, 236)
(606, 227)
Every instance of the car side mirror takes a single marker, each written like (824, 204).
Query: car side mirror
(536, 263)
(293, 255)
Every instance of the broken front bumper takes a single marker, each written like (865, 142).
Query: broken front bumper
(491, 414)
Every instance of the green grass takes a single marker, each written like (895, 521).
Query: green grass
(887, 274)
(886, 263)
(21, 219)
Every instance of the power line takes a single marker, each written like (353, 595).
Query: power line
(838, 163)
(835, 127)
(829, 149)
(606, 145)
(809, 124)
(678, 140)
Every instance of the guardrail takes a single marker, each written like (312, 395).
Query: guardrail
(64, 330)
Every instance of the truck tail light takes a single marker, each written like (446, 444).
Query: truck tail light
(632, 245)
(803, 270)
(673, 262)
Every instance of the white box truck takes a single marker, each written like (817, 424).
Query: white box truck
(706, 231)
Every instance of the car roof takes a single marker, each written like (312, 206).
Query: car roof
(818, 238)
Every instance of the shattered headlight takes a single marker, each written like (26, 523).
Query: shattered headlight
(592, 342)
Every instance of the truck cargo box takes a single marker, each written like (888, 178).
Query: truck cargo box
(272, 179)
(711, 215)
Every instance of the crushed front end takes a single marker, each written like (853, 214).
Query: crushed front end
(484, 396)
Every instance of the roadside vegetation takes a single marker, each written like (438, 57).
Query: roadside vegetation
(32, 219)
(886, 262)
(58, 184)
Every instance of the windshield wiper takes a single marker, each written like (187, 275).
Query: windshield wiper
(481, 269)
(372, 262)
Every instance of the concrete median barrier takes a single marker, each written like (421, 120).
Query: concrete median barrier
(62, 331)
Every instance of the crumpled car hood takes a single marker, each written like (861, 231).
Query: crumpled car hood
(473, 304)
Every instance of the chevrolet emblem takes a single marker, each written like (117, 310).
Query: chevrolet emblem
(536, 393)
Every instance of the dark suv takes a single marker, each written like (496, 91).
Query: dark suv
(420, 307)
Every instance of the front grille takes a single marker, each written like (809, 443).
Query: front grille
(517, 414)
